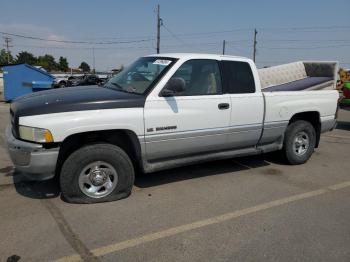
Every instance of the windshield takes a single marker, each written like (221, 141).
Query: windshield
(141, 75)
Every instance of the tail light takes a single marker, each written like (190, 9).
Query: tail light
(346, 92)
(338, 105)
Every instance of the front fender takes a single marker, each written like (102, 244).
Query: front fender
(66, 124)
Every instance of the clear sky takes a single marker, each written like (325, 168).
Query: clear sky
(287, 30)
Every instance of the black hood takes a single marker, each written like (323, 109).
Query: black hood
(74, 99)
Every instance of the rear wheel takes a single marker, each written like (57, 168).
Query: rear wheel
(299, 142)
(97, 173)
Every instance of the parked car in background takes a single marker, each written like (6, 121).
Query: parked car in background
(104, 78)
(62, 81)
(86, 80)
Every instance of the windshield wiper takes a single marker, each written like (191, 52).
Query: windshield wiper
(116, 85)
(119, 88)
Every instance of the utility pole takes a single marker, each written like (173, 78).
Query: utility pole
(93, 60)
(255, 42)
(158, 28)
(8, 42)
(223, 47)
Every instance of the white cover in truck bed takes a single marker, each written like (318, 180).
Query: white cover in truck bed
(281, 74)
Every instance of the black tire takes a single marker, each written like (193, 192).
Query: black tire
(304, 130)
(78, 160)
(62, 85)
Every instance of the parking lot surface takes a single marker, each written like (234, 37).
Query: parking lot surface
(245, 209)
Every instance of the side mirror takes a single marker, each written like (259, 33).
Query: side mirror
(174, 85)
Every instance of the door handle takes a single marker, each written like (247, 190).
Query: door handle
(223, 106)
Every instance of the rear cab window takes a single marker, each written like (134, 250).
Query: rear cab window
(238, 77)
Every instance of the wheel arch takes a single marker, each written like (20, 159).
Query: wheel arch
(313, 117)
(125, 139)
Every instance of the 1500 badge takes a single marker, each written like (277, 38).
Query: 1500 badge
(161, 128)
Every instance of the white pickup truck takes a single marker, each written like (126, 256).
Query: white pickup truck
(161, 112)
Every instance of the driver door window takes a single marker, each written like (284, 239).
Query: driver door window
(202, 77)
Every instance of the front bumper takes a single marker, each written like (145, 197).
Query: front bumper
(30, 158)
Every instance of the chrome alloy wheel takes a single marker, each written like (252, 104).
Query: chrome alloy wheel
(301, 143)
(98, 179)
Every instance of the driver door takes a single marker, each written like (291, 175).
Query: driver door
(192, 121)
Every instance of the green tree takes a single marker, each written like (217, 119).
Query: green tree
(85, 67)
(5, 57)
(26, 57)
(63, 64)
(48, 62)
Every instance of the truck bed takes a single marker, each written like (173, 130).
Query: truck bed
(299, 76)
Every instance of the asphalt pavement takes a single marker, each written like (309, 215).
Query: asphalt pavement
(244, 209)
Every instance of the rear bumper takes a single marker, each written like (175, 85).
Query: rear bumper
(30, 158)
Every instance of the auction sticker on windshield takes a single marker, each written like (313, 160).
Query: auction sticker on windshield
(162, 62)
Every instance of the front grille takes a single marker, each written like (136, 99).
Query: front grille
(14, 123)
(12, 117)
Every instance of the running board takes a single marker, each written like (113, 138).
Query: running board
(150, 167)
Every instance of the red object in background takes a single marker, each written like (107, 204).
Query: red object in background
(346, 92)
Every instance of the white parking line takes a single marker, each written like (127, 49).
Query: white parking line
(206, 222)
(337, 136)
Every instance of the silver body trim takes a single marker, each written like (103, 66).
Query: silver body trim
(175, 144)
(184, 148)
(273, 131)
(189, 160)
(328, 125)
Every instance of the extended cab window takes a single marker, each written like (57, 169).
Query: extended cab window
(201, 77)
(239, 77)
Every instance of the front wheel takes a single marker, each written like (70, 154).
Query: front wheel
(62, 85)
(97, 173)
(299, 142)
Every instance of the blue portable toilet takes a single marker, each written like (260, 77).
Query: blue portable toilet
(22, 79)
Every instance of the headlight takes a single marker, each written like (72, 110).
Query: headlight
(35, 134)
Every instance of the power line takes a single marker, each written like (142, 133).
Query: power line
(175, 45)
(84, 48)
(149, 38)
(266, 28)
(76, 42)
(332, 27)
(262, 28)
(305, 40)
(110, 47)
(175, 36)
(306, 48)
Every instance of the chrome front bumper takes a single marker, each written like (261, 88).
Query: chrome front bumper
(31, 158)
